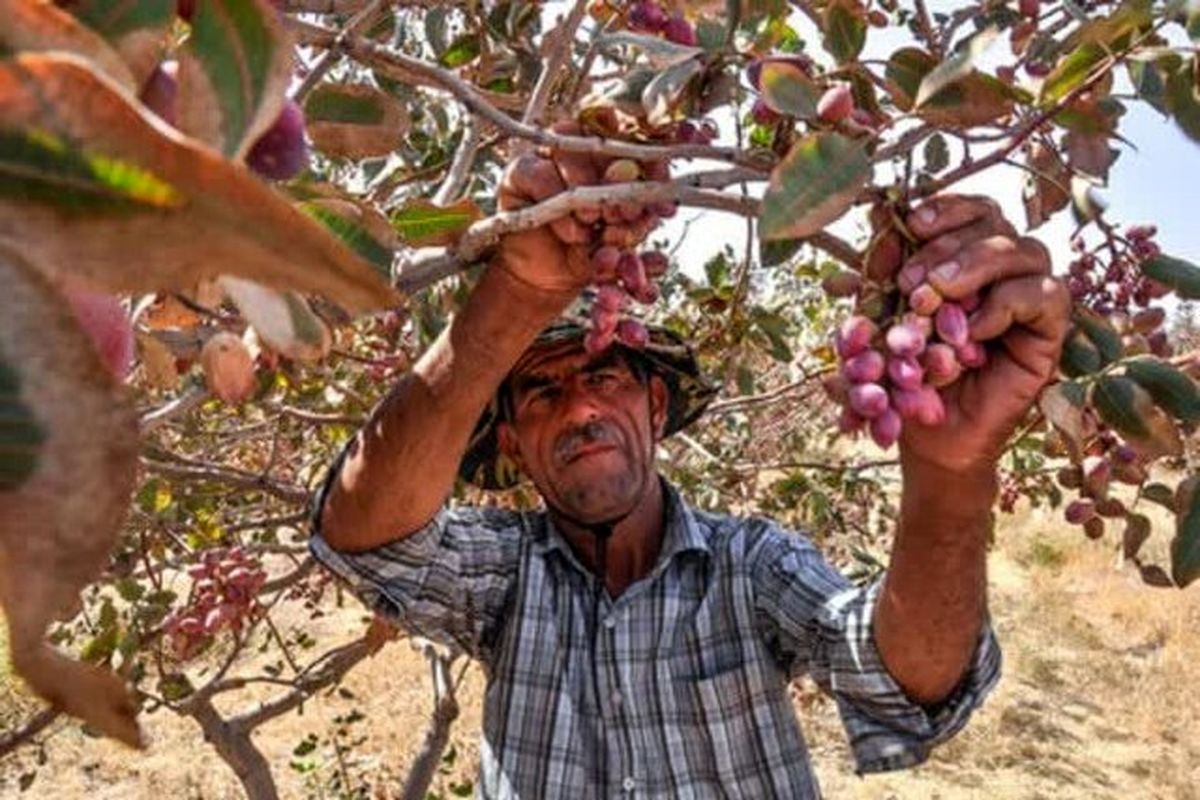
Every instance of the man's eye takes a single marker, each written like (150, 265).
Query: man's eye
(544, 394)
(604, 379)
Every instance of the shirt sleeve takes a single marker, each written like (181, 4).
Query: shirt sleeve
(818, 622)
(448, 582)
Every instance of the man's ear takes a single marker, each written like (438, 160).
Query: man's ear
(507, 439)
(659, 397)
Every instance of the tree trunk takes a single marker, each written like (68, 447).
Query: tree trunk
(233, 744)
(437, 733)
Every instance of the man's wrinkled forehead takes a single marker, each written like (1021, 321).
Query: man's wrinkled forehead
(548, 364)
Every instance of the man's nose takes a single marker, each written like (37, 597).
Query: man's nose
(579, 402)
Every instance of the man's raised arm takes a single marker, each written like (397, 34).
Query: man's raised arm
(933, 604)
(402, 464)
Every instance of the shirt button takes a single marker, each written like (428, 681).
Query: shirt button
(628, 784)
(610, 622)
(616, 698)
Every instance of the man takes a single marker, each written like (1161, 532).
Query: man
(669, 679)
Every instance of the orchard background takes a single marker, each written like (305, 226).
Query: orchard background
(262, 213)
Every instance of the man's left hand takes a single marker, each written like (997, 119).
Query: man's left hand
(967, 246)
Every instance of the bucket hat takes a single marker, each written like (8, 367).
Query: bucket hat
(666, 355)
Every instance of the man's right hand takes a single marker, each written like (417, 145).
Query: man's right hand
(555, 258)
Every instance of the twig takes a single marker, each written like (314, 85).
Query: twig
(418, 269)
(301, 414)
(824, 466)
(1001, 154)
(330, 57)
(478, 102)
(552, 66)
(925, 27)
(907, 141)
(230, 477)
(460, 169)
(13, 739)
(841, 250)
(739, 403)
(192, 397)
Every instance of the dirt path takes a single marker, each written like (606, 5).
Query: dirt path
(1098, 700)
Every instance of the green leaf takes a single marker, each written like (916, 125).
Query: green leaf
(814, 185)
(1147, 80)
(1137, 531)
(659, 51)
(174, 686)
(1116, 30)
(936, 153)
(1183, 98)
(355, 121)
(435, 29)
(1116, 399)
(955, 67)
(1079, 355)
(663, 94)
(786, 89)
(1161, 494)
(355, 236)
(282, 319)
(423, 224)
(462, 51)
(1102, 334)
(905, 70)
(113, 19)
(776, 330)
(1182, 276)
(772, 253)
(1128, 408)
(845, 30)
(1185, 547)
(40, 167)
(1070, 72)
(1074, 392)
(1171, 389)
(21, 436)
(328, 103)
(234, 70)
(975, 99)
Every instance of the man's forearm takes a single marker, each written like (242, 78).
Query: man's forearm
(403, 462)
(931, 607)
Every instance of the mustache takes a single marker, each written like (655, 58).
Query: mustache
(589, 433)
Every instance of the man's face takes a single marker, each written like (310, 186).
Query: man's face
(583, 430)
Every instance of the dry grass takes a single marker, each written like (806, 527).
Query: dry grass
(1098, 701)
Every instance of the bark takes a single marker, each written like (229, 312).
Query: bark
(232, 742)
(437, 733)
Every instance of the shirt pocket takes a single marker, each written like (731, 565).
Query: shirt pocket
(726, 701)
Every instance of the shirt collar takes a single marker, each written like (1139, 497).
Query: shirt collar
(683, 533)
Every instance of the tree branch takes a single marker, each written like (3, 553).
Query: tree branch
(925, 27)
(339, 663)
(329, 58)
(232, 742)
(13, 739)
(460, 169)
(841, 250)
(230, 477)
(552, 66)
(192, 397)
(418, 269)
(1000, 154)
(421, 72)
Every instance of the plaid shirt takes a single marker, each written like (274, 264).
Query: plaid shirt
(690, 663)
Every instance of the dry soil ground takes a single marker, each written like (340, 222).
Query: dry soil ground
(1099, 700)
